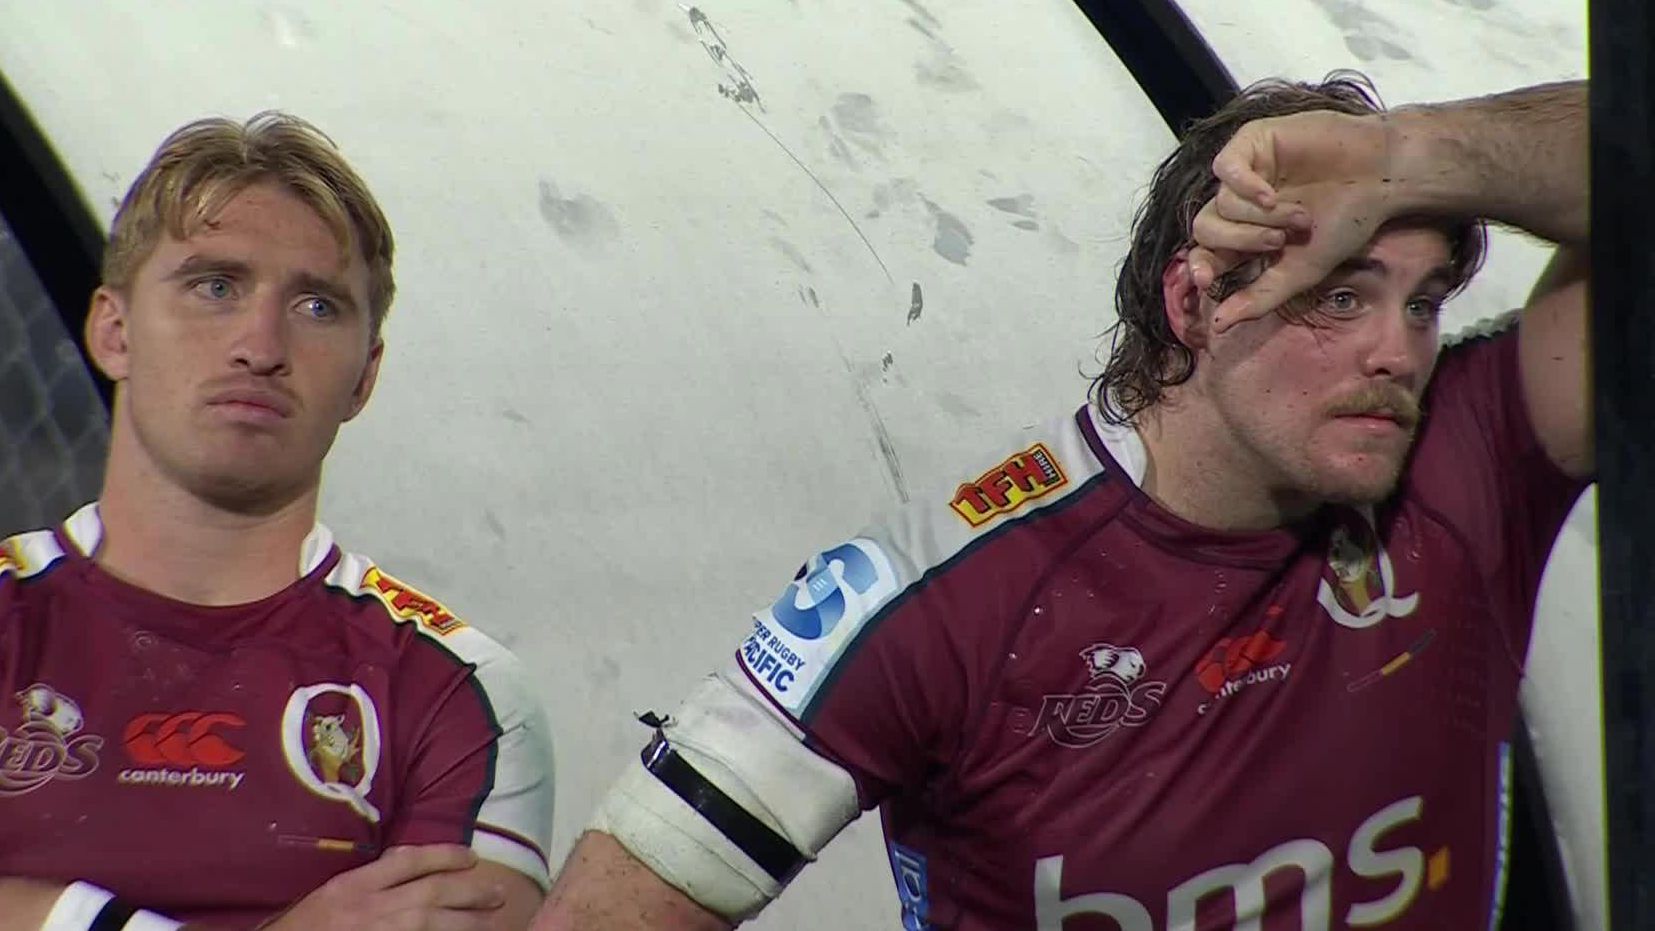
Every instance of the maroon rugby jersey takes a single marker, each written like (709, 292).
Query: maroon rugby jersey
(1077, 711)
(217, 763)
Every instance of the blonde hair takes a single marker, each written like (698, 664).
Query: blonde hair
(203, 165)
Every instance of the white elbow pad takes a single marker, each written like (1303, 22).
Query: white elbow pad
(727, 803)
(82, 906)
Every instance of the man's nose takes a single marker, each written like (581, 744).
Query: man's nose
(261, 340)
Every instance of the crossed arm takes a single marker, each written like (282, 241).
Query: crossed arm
(438, 887)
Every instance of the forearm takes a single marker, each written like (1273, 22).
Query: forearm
(1518, 158)
(604, 888)
(25, 903)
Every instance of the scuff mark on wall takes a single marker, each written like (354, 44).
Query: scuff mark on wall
(956, 405)
(882, 435)
(740, 89)
(579, 220)
(721, 54)
(916, 304)
(1022, 205)
(945, 72)
(922, 12)
(858, 116)
(792, 253)
(1367, 34)
(836, 144)
(513, 415)
(493, 524)
(858, 113)
(953, 240)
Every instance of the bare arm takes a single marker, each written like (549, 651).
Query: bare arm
(1518, 158)
(521, 895)
(25, 903)
(1521, 158)
(604, 888)
(434, 887)
(1554, 351)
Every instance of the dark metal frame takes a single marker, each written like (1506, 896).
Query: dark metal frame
(50, 220)
(1623, 280)
(1165, 54)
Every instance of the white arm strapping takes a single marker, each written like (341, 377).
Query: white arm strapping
(742, 746)
(80, 903)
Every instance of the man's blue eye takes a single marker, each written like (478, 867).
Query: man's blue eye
(318, 308)
(1425, 307)
(1341, 301)
(216, 288)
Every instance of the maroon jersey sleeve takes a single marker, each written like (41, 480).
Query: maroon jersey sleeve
(878, 646)
(1480, 466)
(470, 740)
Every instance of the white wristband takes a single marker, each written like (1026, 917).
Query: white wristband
(76, 907)
(80, 904)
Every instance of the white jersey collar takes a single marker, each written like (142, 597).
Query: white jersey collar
(1124, 444)
(84, 528)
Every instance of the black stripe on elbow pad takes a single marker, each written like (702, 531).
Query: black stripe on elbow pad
(113, 916)
(772, 852)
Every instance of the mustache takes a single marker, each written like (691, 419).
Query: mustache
(1383, 399)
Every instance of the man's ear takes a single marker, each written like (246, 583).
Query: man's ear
(1182, 301)
(106, 333)
(370, 376)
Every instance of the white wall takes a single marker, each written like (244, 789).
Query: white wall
(658, 337)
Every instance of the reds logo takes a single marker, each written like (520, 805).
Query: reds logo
(44, 747)
(1030, 474)
(1113, 698)
(1358, 583)
(408, 603)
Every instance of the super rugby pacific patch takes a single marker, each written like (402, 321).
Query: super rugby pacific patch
(796, 641)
